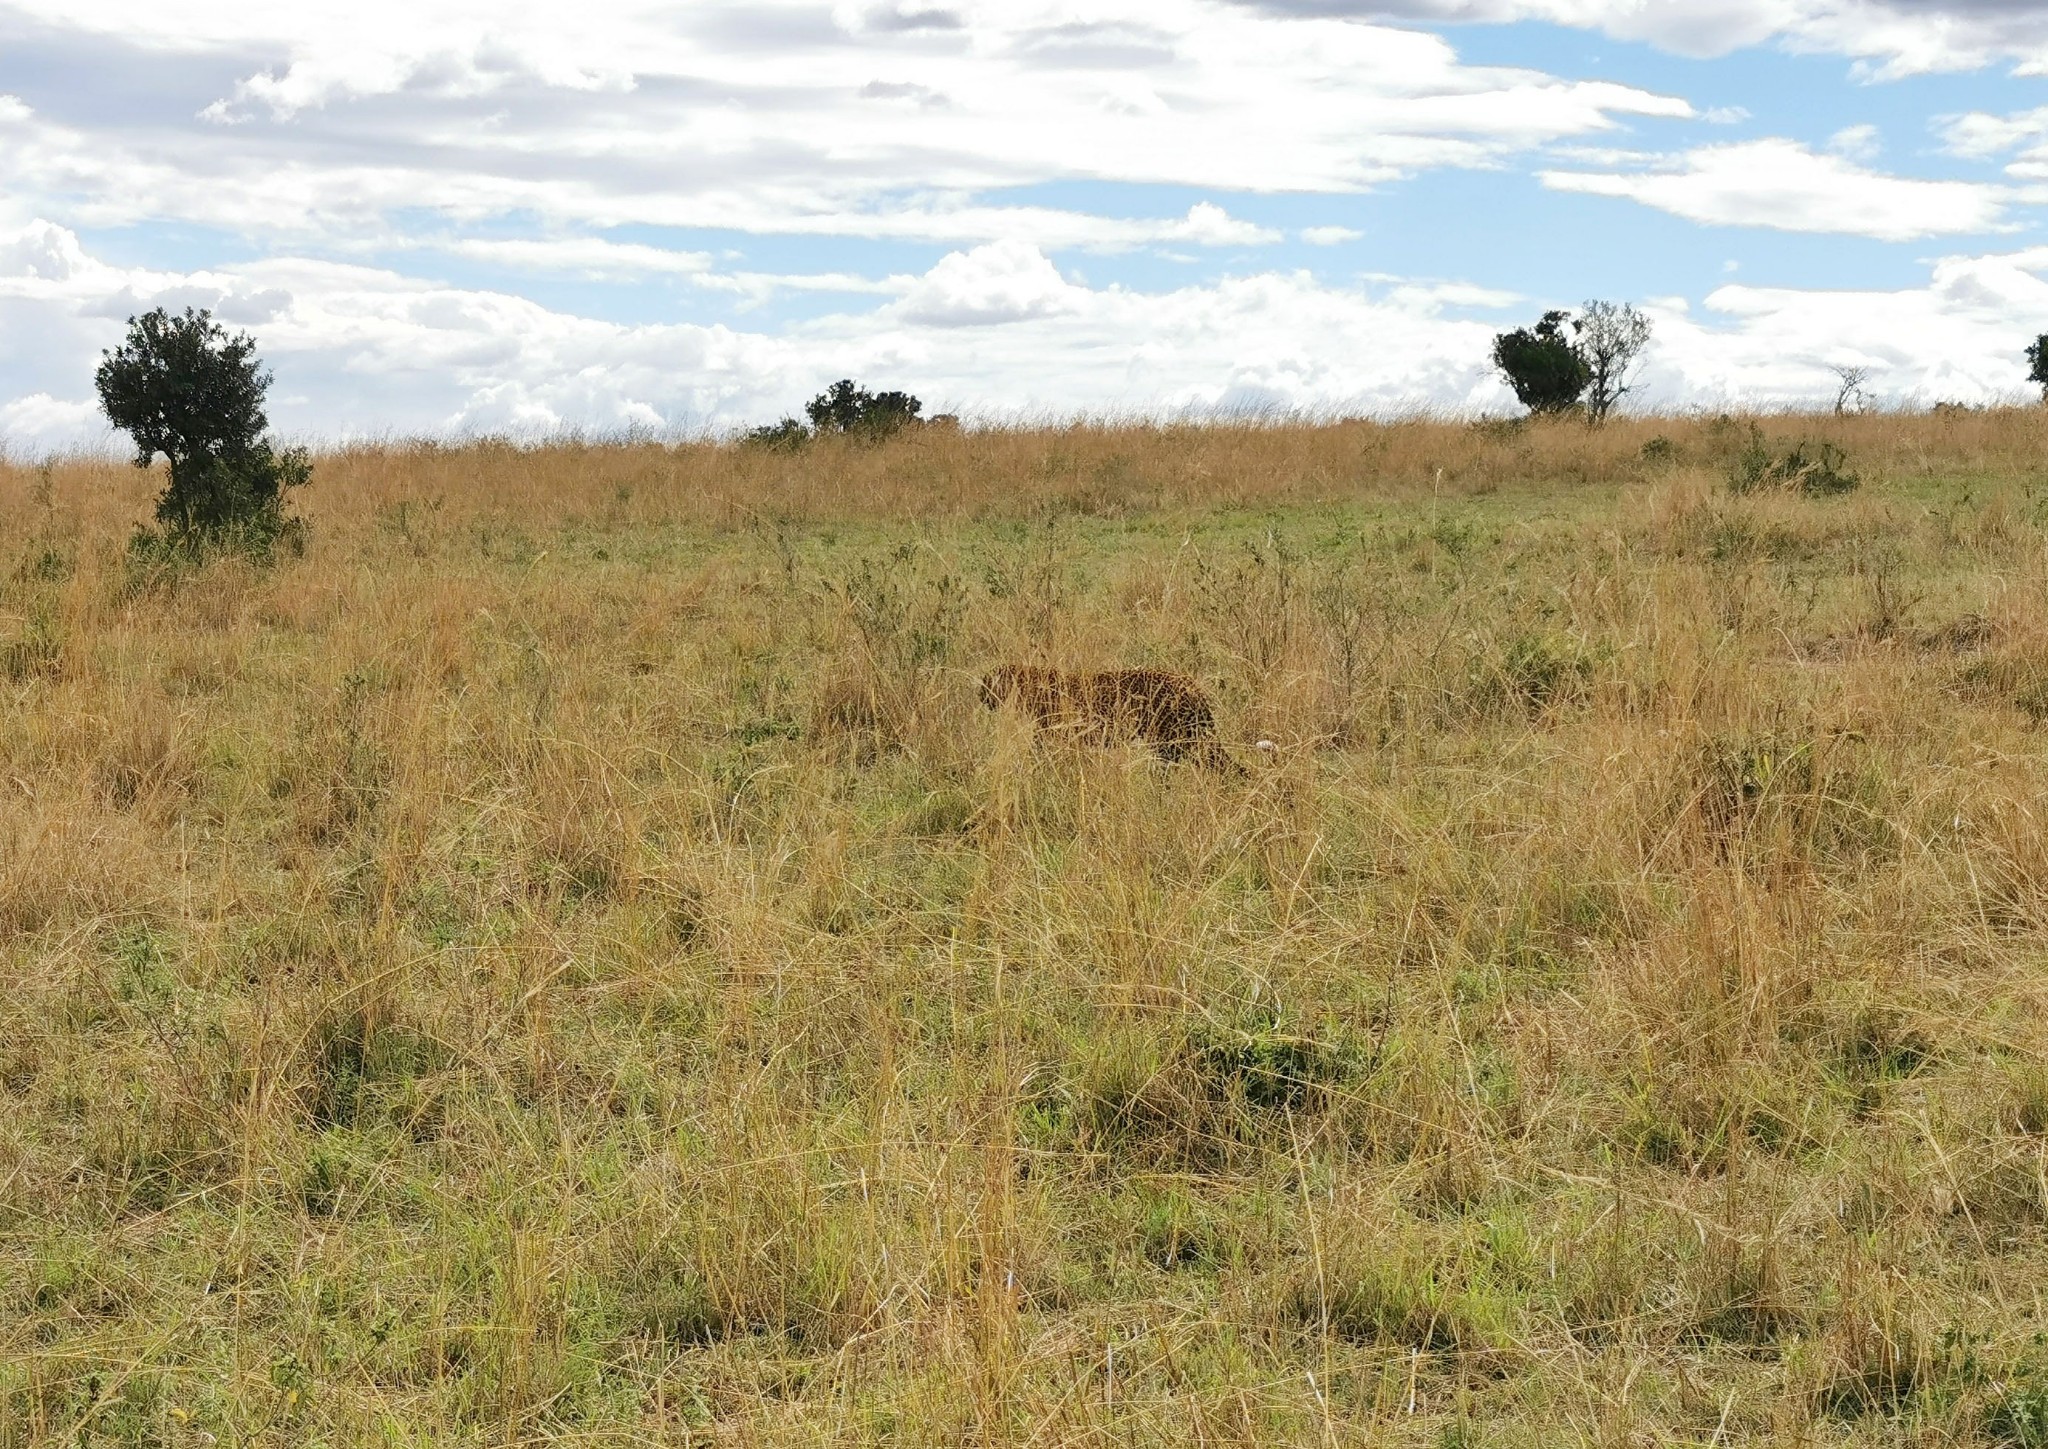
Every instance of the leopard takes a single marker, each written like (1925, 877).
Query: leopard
(1167, 711)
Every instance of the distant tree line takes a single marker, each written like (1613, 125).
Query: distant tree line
(848, 410)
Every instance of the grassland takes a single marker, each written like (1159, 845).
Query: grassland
(568, 960)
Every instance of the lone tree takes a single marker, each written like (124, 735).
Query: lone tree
(183, 387)
(2037, 357)
(1610, 337)
(1850, 393)
(847, 407)
(1541, 365)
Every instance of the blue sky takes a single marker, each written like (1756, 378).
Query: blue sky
(451, 216)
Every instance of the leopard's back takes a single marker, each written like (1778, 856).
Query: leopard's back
(1167, 710)
(1161, 708)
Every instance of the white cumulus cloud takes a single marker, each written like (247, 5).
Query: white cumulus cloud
(895, 189)
(582, 256)
(2021, 137)
(1857, 143)
(44, 251)
(1960, 338)
(1208, 224)
(1887, 39)
(993, 330)
(1783, 185)
(772, 115)
(39, 425)
(1005, 281)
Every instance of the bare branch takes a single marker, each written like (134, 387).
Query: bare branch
(1610, 336)
(1851, 391)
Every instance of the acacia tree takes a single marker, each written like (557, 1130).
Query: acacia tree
(1610, 336)
(1541, 365)
(183, 387)
(1851, 378)
(2037, 359)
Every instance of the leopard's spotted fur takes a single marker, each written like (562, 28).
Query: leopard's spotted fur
(1169, 712)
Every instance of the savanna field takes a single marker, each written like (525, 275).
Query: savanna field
(568, 958)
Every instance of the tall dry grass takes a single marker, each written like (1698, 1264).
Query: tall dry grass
(949, 476)
(569, 959)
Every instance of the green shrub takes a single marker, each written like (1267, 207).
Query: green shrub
(1818, 797)
(1402, 1290)
(787, 436)
(845, 409)
(848, 408)
(1269, 1067)
(185, 388)
(1817, 469)
(2018, 1415)
(1533, 673)
(1541, 365)
(35, 653)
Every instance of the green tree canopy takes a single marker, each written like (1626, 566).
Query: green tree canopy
(847, 407)
(1541, 365)
(183, 387)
